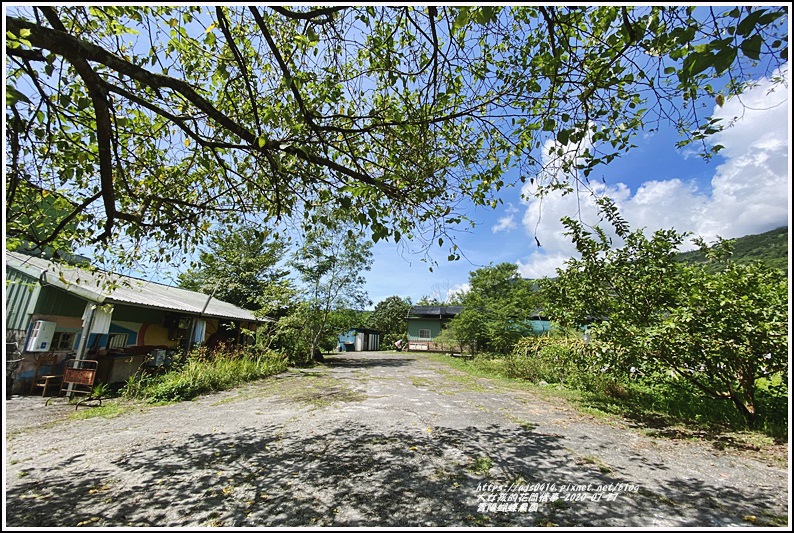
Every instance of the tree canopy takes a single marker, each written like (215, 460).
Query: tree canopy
(331, 262)
(156, 122)
(390, 317)
(239, 267)
(497, 310)
(719, 331)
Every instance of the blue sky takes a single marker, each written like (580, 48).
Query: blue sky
(744, 191)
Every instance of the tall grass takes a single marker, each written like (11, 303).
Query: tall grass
(567, 361)
(656, 400)
(201, 372)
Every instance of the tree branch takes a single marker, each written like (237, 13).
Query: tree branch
(68, 46)
(224, 24)
(104, 128)
(309, 15)
(24, 53)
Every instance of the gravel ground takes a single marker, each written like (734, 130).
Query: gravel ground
(373, 439)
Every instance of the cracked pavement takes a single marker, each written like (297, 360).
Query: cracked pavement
(372, 439)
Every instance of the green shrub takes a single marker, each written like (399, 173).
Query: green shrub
(652, 395)
(662, 396)
(387, 343)
(554, 360)
(202, 372)
(568, 361)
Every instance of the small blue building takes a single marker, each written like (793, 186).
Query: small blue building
(359, 340)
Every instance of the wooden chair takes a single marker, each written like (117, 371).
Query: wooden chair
(78, 378)
(45, 374)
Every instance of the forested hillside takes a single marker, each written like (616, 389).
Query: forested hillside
(770, 247)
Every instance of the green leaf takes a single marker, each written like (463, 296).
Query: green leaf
(724, 59)
(461, 18)
(13, 96)
(697, 62)
(747, 25)
(485, 14)
(752, 47)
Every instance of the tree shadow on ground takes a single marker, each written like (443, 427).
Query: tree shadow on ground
(356, 475)
(721, 436)
(342, 361)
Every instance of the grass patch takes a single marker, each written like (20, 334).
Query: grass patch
(109, 410)
(481, 465)
(599, 463)
(494, 369)
(314, 389)
(202, 373)
(325, 396)
(419, 382)
(479, 366)
(671, 410)
(466, 381)
(526, 424)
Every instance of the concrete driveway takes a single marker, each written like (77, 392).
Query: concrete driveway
(372, 439)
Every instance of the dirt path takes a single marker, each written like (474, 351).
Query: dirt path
(371, 439)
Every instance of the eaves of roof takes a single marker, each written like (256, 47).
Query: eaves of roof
(107, 288)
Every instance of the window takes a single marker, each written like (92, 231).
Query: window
(424, 334)
(117, 340)
(63, 340)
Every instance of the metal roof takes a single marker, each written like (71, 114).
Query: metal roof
(108, 288)
(435, 310)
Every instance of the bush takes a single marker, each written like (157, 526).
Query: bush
(387, 343)
(568, 361)
(202, 372)
(652, 395)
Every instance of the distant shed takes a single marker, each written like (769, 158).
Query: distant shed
(359, 340)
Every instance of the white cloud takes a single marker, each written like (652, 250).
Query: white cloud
(457, 291)
(507, 222)
(539, 265)
(749, 190)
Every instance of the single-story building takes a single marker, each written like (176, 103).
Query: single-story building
(425, 323)
(120, 321)
(538, 322)
(359, 340)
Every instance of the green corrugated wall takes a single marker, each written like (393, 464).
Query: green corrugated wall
(19, 291)
(415, 324)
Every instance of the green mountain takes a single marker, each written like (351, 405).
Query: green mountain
(770, 247)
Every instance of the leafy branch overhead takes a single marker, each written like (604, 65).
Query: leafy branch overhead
(156, 123)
